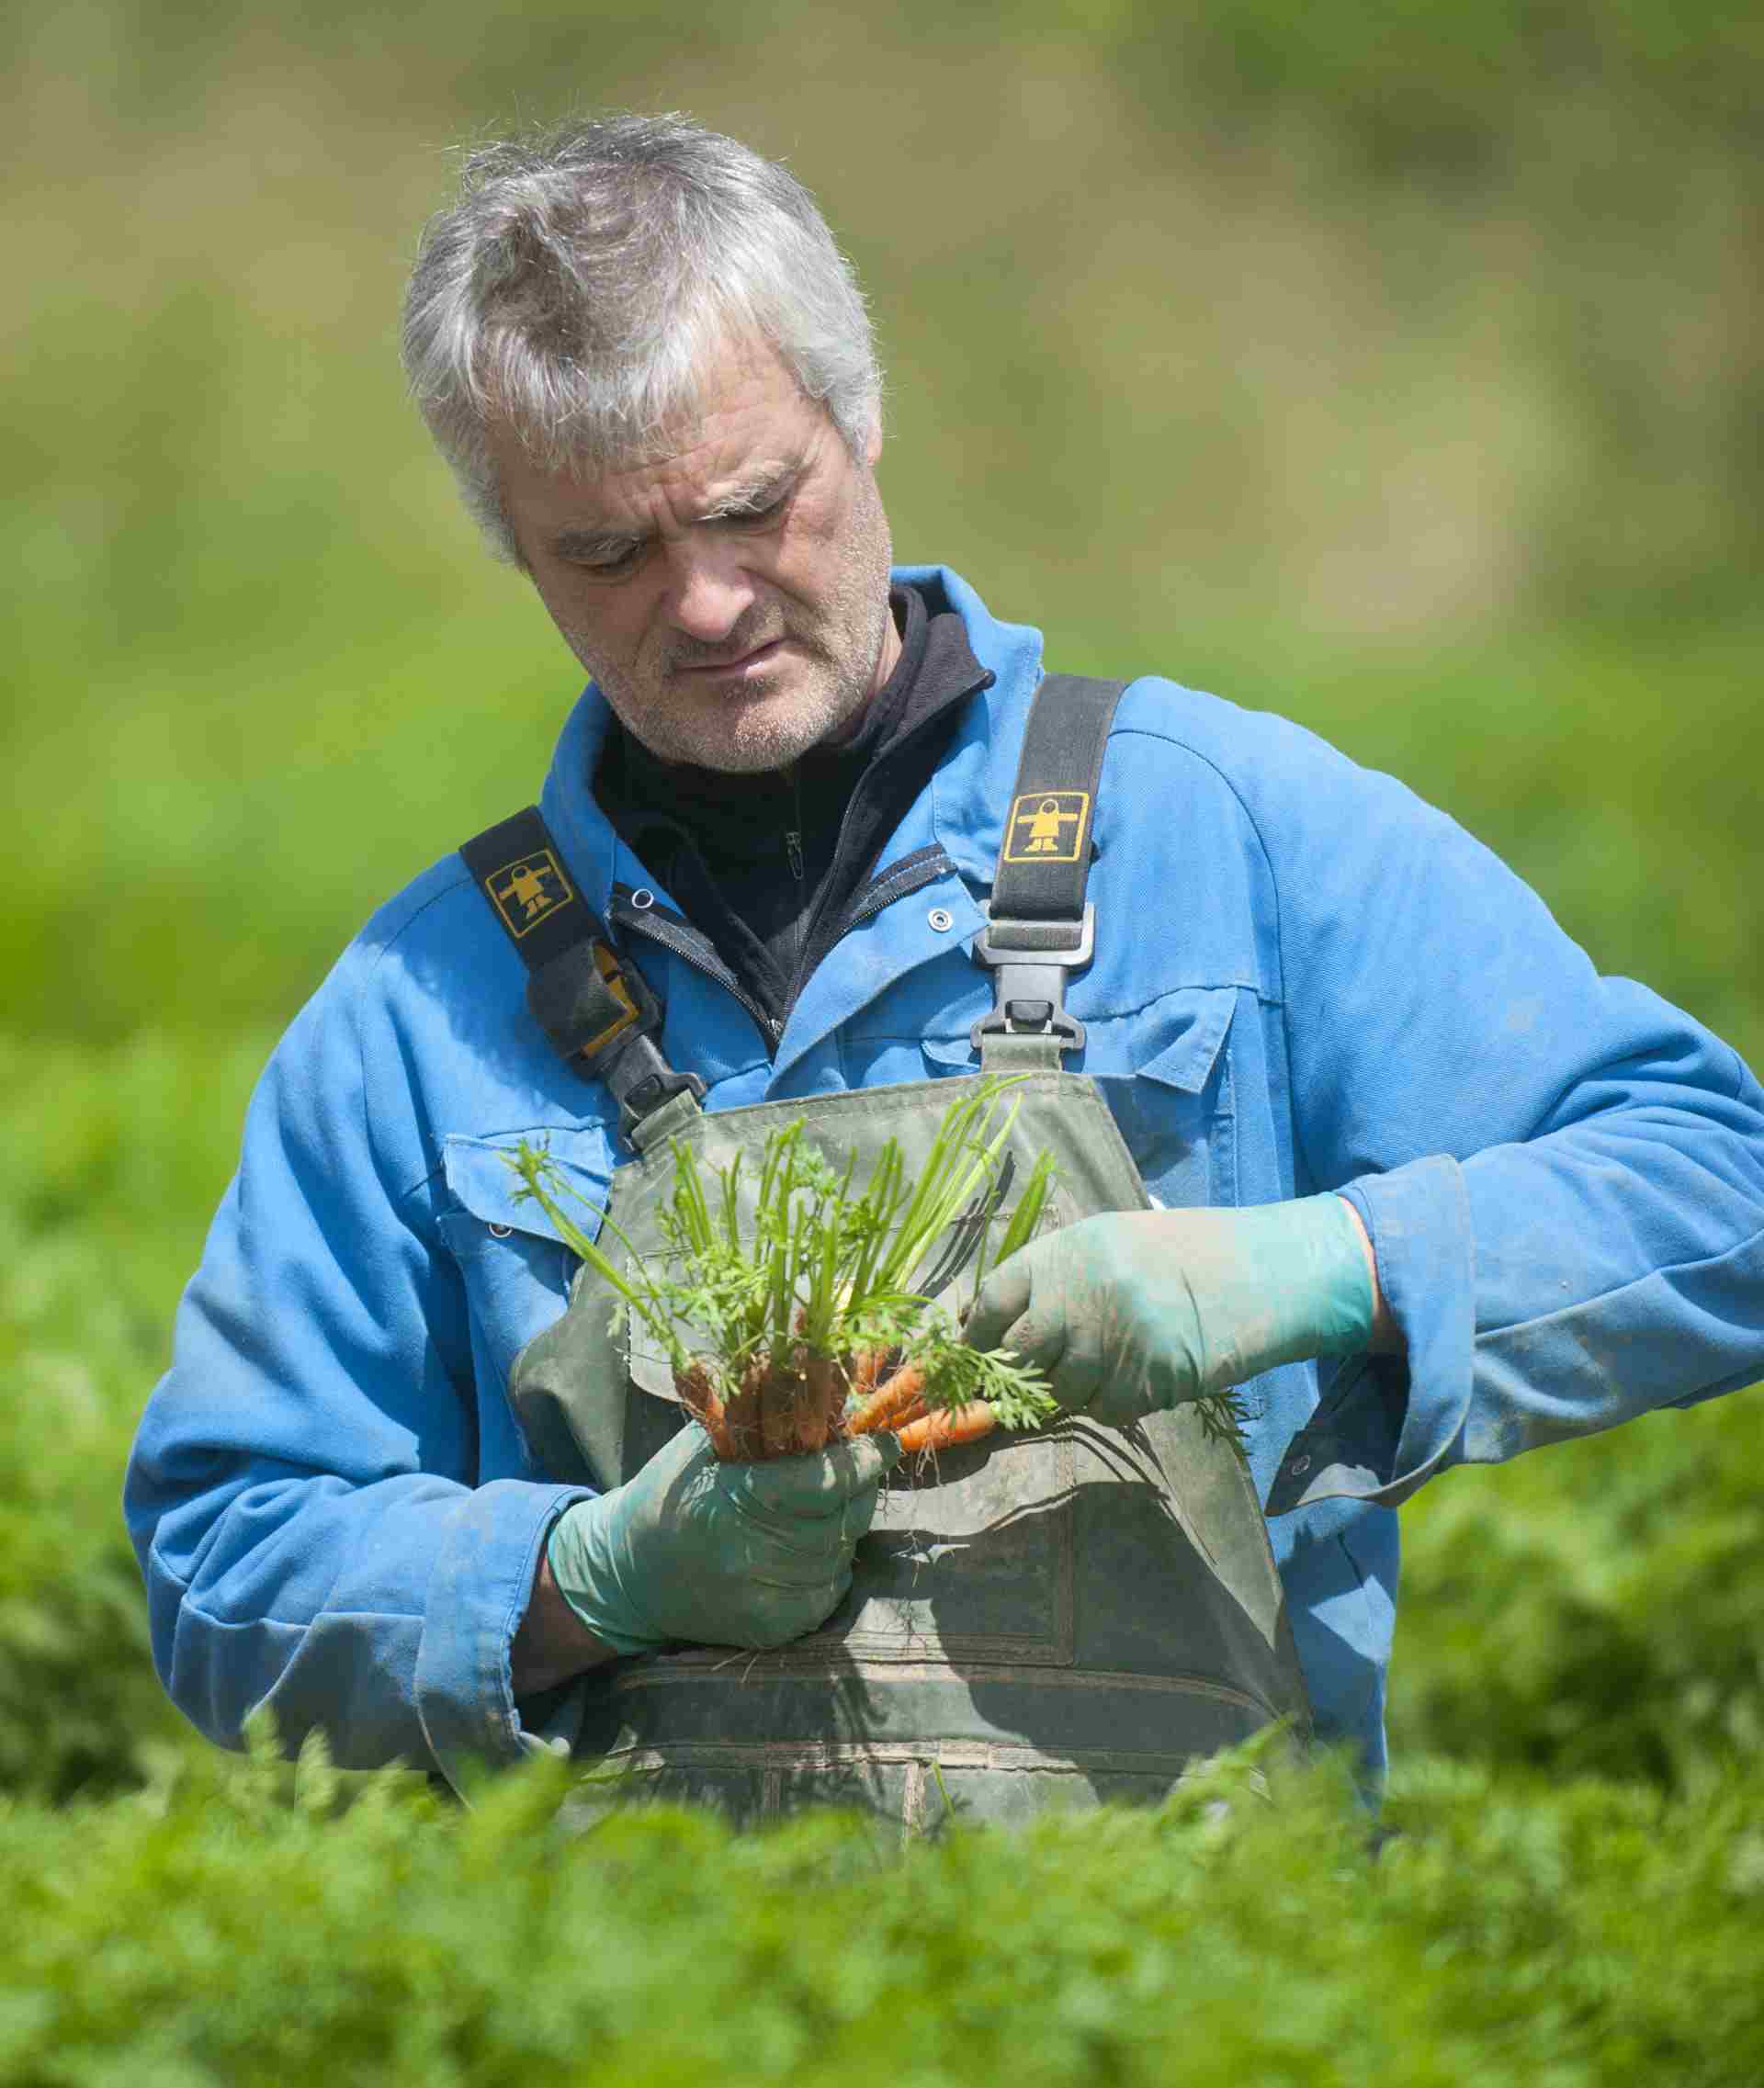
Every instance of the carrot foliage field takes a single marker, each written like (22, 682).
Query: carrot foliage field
(220, 1929)
(1399, 369)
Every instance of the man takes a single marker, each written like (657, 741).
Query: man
(1421, 1185)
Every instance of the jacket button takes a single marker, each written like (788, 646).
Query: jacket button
(642, 899)
(942, 920)
(1299, 1467)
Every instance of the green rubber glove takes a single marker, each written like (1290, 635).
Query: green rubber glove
(718, 1554)
(1137, 1311)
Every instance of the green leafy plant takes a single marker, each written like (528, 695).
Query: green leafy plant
(239, 1923)
(780, 1329)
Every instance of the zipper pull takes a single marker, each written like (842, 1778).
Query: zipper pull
(793, 846)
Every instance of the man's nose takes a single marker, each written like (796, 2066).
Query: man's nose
(708, 591)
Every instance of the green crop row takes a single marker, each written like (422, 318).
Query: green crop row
(212, 1932)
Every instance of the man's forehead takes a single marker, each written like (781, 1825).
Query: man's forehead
(725, 447)
(734, 382)
(588, 491)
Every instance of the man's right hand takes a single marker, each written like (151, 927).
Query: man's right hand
(718, 1554)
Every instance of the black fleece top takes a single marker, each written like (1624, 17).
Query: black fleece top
(767, 865)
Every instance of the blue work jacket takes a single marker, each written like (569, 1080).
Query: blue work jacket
(1304, 979)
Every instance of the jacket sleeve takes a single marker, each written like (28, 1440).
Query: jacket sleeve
(303, 1492)
(1562, 1176)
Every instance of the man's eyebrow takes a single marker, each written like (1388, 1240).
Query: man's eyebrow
(752, 495)
(591, 544)
(770, 483)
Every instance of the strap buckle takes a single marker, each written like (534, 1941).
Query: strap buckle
(641, 1080)
(627, 1060)
(1031, 961)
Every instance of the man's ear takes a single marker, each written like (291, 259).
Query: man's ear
(873, 442)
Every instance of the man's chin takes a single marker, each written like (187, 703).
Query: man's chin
(752, 731)
(751, 749)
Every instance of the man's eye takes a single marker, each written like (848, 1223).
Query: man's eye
(611, 563)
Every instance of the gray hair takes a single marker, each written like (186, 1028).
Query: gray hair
(576, 287)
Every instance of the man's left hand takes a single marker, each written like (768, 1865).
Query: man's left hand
(1134, 1312)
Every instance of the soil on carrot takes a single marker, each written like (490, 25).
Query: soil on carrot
(813, 1400)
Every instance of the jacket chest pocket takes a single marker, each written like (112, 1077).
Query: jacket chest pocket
(1165, 1073)
(1175, 1105)
(516, 1269)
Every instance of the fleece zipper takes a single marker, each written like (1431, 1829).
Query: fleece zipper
(674, 933)
(910, 874)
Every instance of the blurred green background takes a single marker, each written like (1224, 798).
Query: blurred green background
(1398, 367)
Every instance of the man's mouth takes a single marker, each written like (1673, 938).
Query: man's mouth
(737, 663)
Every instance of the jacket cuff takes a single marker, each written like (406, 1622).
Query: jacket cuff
(1389, 1423)
(479, 1590)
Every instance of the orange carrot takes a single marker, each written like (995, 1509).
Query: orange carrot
(945, 1428)
(694, 1388)
(823, 1402)
(866, 1367)
(898, 1400)
(743, 1416)
(780, 1413)
(780, 1398)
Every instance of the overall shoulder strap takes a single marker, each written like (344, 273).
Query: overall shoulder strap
(1040, 928)
(598, 1012)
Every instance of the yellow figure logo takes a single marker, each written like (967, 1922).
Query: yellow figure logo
(528, 890)
(1048, 826)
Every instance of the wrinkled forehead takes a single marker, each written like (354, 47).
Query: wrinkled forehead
(636, 419)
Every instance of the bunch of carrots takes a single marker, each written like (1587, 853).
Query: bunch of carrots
(808, 1402)
(820, 1317)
